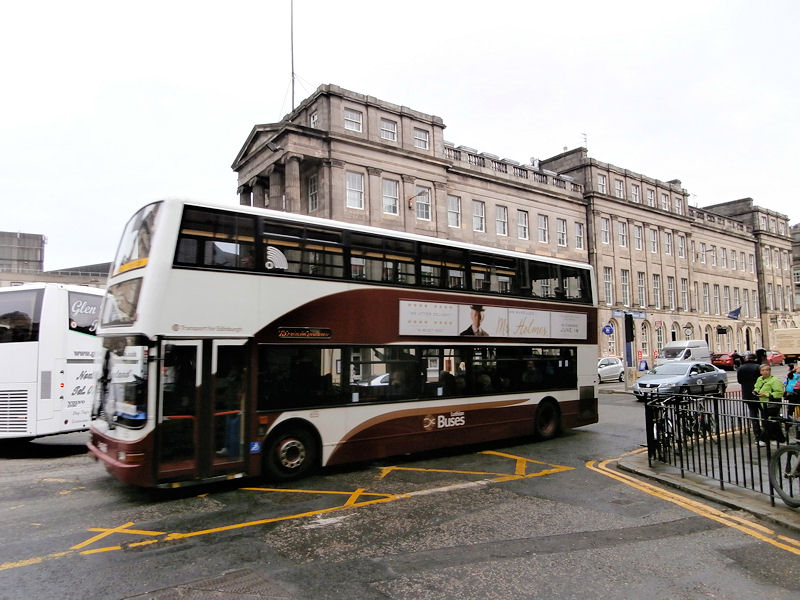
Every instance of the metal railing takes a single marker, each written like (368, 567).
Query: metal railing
(715, 437)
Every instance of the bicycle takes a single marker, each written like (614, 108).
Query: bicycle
(784, 469)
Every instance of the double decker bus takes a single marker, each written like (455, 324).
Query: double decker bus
(47, 350)
(245, 342)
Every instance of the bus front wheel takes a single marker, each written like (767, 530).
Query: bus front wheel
(291, 453)
(547, 421)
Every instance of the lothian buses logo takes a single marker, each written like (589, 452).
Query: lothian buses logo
(455, 419)
(276, 259)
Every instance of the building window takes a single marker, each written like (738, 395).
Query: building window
(608, 284)
(671, 292)
(723, 258)
(421, 139)
(665, 202)
(352, 120)
(579, 236)
(742, 266)
(544, 229)
(388, 130)
(641, 284)
(681, 246)
(706, 299)
(638, 233)
(454, 211)
(601, 183)
(679, 206)
(654, 241)
(618, 189)
(717, 308)
(561, 232)
(668, 243)
(769, 297)
(423, 196)
(684, 294)
(622, 234)
(726, 298)
(391, 196)
(611, 349)
(696, 296)
(501, 220)
(713, 253)
(756, 308)
(763, 220)
(478, 216)
(355, 190)
(659, 338)
(605, 230)
(635, 194)
(313, 120)
(752, 263)
(523, 232)
(765, 254)
(733, 260)
(626, 287)
(657, 290)
(651, 198)
(737, 301)
(313, 194)
(702, 253)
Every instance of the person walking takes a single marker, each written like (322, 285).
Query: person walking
(769, 390)
(747, 375)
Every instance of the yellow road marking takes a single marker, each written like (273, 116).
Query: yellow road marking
(750, 528)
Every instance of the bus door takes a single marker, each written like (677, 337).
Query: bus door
(229, 384)
(180, 403)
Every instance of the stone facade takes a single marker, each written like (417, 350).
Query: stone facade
(355, 158)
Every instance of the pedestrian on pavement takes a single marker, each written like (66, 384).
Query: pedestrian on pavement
(792, 387)
(769, 390)
(747, 375)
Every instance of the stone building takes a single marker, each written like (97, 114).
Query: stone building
(680, 270)
(355, 158)
(795, 233)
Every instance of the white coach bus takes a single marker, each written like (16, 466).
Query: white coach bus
(47, 349)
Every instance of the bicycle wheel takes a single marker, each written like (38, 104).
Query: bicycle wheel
(784, 474)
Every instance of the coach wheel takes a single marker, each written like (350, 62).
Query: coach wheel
(290, 454)
(547, 421)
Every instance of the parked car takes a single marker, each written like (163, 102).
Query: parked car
(722, 360)
(775, 358)
(684, 377)
(610, 368)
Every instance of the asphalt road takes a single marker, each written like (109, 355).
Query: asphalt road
(512, 520)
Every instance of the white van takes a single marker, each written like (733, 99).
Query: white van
(684, 350)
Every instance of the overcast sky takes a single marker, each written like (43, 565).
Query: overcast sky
(107, 106)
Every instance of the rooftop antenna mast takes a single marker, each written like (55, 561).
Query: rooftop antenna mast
(291, 37)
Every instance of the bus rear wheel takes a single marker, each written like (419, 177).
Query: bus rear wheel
(547, 420)
(291, 453)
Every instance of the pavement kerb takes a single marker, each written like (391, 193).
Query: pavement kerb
(738, 498)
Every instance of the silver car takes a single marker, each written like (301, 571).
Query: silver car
(681, 377)
(610, 368)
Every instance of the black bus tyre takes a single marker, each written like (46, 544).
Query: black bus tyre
(290, 453)
(783, 460)
(547, 420)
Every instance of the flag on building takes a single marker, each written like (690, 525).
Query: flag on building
(734, 314)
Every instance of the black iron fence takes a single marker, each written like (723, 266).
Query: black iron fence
(718, 438)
